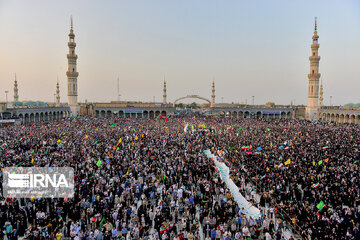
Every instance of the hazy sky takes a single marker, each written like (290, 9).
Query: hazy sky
(258, 48)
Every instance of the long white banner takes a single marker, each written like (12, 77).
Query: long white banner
(249, 209)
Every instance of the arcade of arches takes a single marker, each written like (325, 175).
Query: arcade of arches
(43, 116)
(341, 117)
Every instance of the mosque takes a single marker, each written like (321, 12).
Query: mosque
(25, 112)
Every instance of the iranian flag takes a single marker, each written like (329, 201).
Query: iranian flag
(316, 185)
(281, 165)
(245, 147)
(326, 147)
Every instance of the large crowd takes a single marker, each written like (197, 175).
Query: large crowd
(155, 182)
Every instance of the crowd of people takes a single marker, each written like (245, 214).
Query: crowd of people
(307, 171)
(155, 182)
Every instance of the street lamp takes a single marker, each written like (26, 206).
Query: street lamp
(6, 92)
(253, 100)
(330, 101)
(119, 97)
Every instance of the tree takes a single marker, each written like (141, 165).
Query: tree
(193, 105)
(180, 105)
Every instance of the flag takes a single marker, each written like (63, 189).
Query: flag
(326, 160)
(101, 223)
(113, 125)
(166, 119)
(164, 176)
(98, 163)
(58, 141)
(60, 219)
(320, 162)
(316, 185)
(30, 227)
(245, 147)
(127, 173)
(288, 162)
(259, 148)
(314, 163)
(321, 205)
(326, 147)
(281, 165)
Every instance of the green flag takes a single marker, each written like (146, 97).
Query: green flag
(164, 177)
(98, 163)
(320, 162)
(101, 223)
(321, 205)
(113, 125)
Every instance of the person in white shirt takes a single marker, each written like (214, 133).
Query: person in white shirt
(268, 236)
(245, 231)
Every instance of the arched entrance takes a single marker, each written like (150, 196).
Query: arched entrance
(192, 96)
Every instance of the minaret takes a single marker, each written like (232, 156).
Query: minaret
(321, 98)
(16, 90)
(164, 92)
(314, 75)
(72, 74)
(213, 94)
(57, 94)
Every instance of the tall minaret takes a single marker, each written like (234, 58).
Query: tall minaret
(72, 74)
(321, 97)
(16, 90)
(164, 92)
(213, 94)
(314, 75)
(57, 94)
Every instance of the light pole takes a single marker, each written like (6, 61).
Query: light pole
(253, 100)
(6, 92)
(119, 97)
(222, 99)
(330, 101)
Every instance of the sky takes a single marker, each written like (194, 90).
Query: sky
(257, 48)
